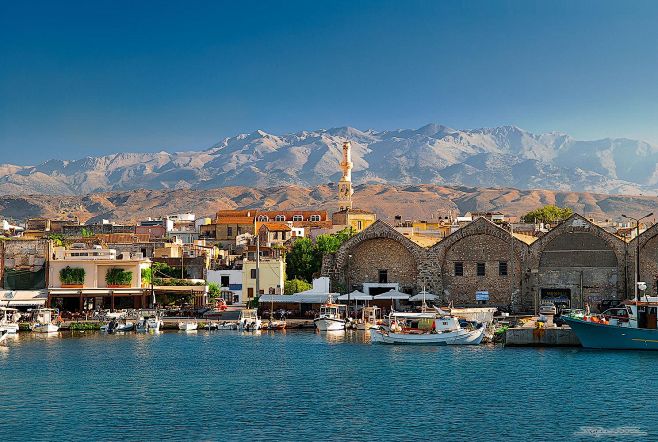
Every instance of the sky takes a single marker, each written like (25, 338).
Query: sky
(82, 78)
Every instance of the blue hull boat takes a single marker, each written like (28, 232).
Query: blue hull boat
(594, 335)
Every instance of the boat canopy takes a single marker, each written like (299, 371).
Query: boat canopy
(392, 294)
(23, 298)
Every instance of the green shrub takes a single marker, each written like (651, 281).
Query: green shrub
(72, 275)
(117, 276)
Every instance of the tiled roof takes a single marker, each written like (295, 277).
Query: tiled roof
(235, 220)
(278, 227)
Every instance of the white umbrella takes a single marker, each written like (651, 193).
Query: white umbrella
(355, 296)
(392, 294)
(424, 295)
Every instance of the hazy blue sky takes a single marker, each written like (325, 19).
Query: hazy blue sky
(95, 77)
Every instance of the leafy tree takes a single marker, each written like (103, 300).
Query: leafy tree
(87, 233)
(295, 286)
(548, 214)
(214, 291)
(301, 261)
(305, 258)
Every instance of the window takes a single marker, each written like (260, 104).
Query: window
(239, 230)
(276, 235)
(224, 280)
(359, 225)
(502, 268)
(262, 218)
(253, 273)
(480, 269)
(313, 218)
(301, 218)
(229, 231)
(383, 276)
(280, 218)
(459, 268)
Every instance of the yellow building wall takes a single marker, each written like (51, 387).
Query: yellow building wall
(272, 274)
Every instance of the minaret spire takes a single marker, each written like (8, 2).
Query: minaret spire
(345, 184)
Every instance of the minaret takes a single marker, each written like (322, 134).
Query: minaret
(345, 183)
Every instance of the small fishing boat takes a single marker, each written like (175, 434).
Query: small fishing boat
(9, 319)
(227, 326)
(187, 325)
(275, 325)
(330, 318)
(427, 328)
(124, 326)
(43, 322)
(148, 324)
(370, 317)
(249, 320)
(632, 326)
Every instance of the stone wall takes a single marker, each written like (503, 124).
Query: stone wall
(479, 242)
(579, 258)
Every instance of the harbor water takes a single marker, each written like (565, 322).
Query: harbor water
(300, 385)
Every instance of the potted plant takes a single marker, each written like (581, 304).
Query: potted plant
(118, 278)
(72, 277)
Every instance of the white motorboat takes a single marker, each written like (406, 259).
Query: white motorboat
(153, 324)
(249, 320)
(227, 326)
(9, 318)
(370, 317)
(188, 325)
(330, 318)
(124, 326)
(148, 324)
(43, 321)
(427, 328)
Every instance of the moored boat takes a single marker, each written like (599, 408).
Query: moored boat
(629, 327)
(330, 318)
(9, 319)
(249, 320)
(427, 328)
(188, 325)
(370, 317)
(43, 322)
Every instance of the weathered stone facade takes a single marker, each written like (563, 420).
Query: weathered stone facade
(576, 260)
(379, 247)
(482, 243)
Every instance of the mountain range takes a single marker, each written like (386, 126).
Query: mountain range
(424, 201)
(501, 157)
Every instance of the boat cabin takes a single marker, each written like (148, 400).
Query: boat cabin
(330, 311)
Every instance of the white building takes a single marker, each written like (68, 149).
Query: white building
(230, 282)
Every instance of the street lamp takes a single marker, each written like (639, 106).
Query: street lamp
(637, 250)
(347, 311)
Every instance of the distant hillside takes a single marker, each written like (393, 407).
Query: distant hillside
(409, 201)
(497, 157)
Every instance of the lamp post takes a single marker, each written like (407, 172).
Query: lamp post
(349, 262)
(637, 250)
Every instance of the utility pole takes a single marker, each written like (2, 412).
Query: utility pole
(637, 251)
(257, 265)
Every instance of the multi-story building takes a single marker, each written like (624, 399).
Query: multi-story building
(96, 288)
(271, 275)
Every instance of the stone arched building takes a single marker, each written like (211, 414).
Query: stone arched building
(379, 255)
(480, 257)
(576, 262)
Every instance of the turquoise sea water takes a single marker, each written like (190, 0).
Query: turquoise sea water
(307, 386)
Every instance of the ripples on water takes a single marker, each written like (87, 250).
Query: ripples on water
(301, 386)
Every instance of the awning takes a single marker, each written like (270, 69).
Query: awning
(297, 298)
(22, 298)
(392, 294)
(424, 295)
(355, 296)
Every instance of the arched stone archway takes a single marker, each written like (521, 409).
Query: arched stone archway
(481, 256)
(576, 262)
(378, 248)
